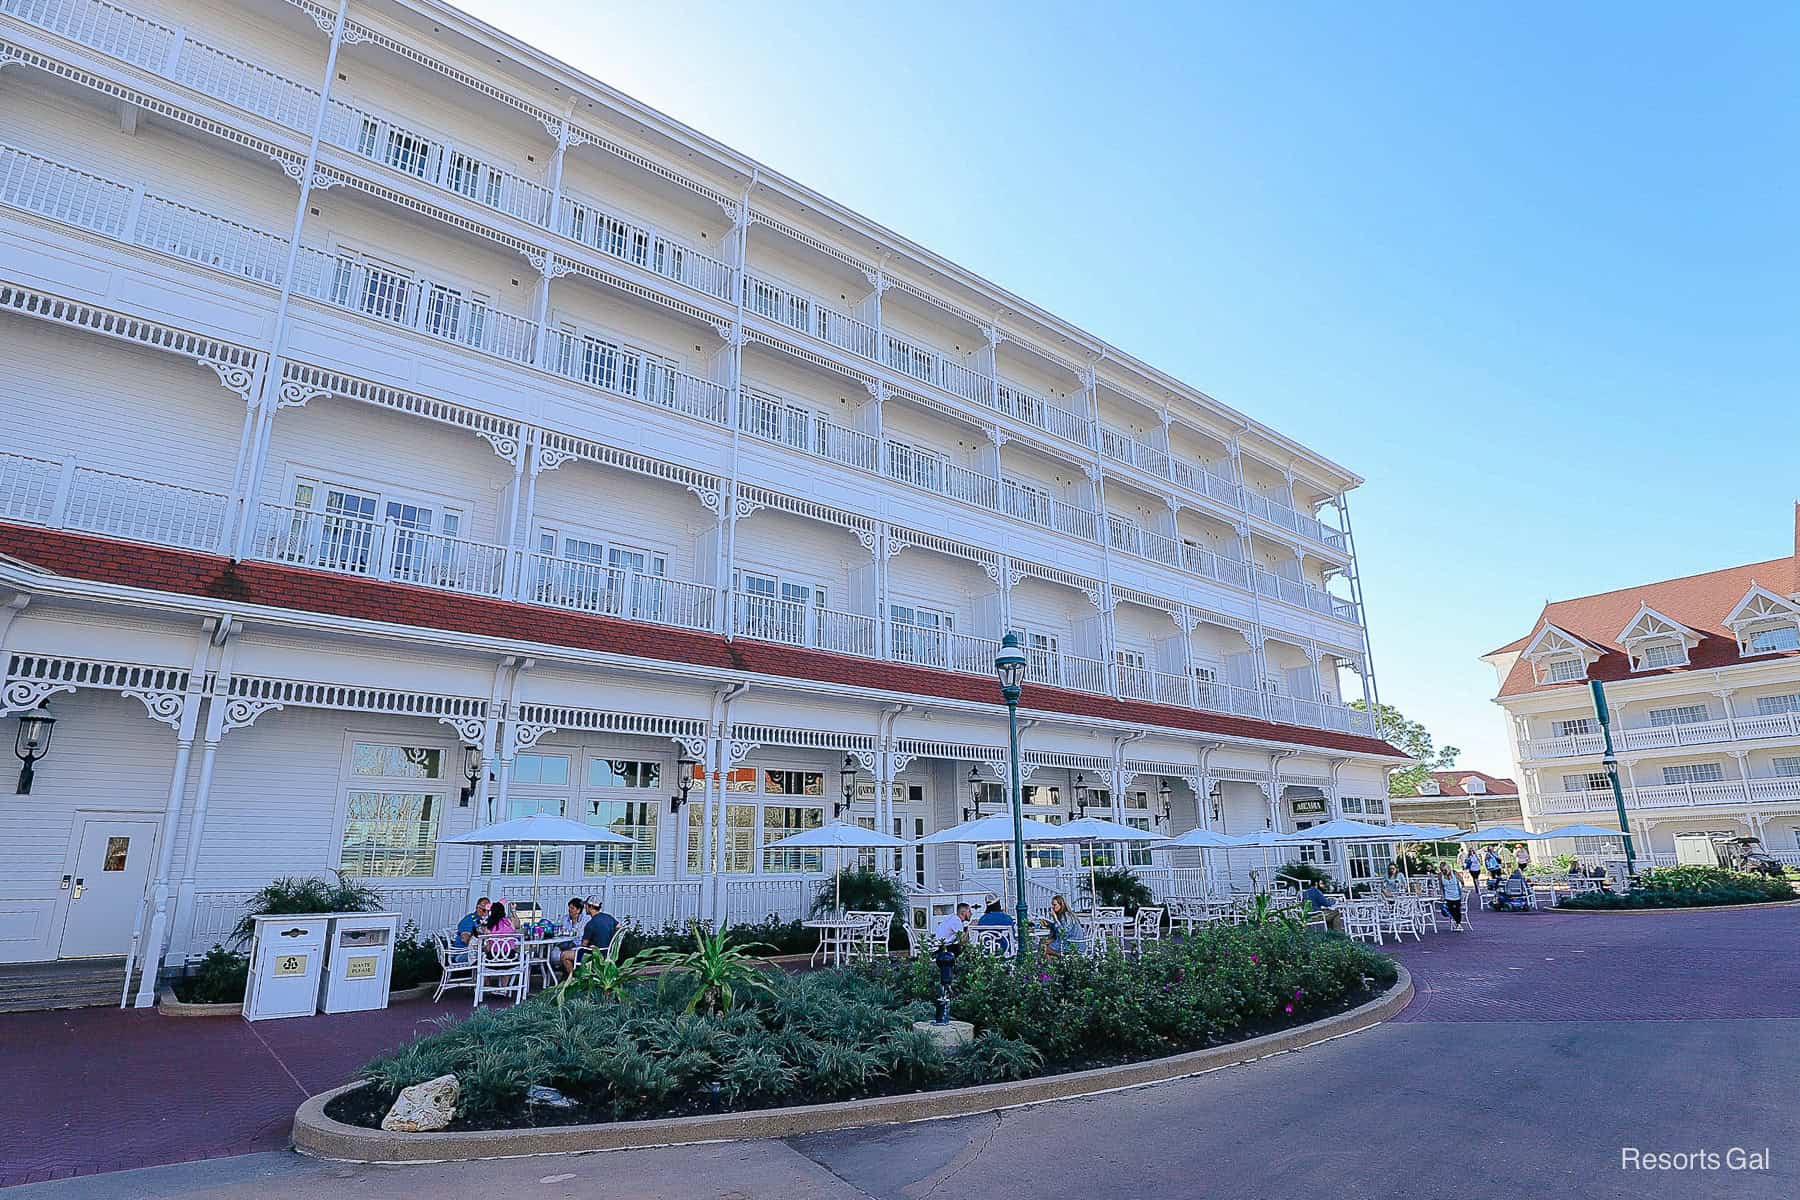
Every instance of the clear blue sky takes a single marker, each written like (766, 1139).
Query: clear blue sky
(1530, 269)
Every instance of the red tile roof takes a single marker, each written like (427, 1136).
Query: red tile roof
(1450, 784)
(1701, 602)
(212, 576)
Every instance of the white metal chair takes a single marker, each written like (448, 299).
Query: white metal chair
(456, 963)
(1425, 912)
(997, 940)
(1401, 917)
(501, 969)
(1147, 927)
(1362, 920)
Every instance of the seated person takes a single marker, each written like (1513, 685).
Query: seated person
(597, 935)
(569, 931)
(995, 915)
(1393, 883)
(1316, 897)
(470, 926)
(500, 933)
(1065, 928)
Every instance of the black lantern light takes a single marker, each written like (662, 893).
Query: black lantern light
(32, 742)
(846, 776)
(684, 780)
(472, 772)
(1081, 793)
(977, 790)
(1162, 795)
(1218, 790)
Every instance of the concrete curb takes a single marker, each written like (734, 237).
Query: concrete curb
(320, 1136)
(167, 1005)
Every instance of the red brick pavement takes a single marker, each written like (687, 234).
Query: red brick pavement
(103, 1090)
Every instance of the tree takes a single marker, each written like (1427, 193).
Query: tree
(1401, 731)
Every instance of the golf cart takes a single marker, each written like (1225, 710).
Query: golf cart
(1746, 854)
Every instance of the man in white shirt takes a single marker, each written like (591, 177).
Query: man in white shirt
(953, 928)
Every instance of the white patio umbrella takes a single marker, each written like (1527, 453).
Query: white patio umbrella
(1345, 829)
(539, 830)
(1263, 839)
(1570, 831)
(997, 828)
(1503, 833)
(839, 835)
(1093, 830)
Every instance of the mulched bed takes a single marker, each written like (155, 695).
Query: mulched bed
(363, 1107)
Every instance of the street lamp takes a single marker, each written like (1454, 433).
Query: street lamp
(684, 780)
(1009, 669)
(846, 776)
(1611, 762)
(32, 742)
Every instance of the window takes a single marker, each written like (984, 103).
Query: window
(1369, 861)
(1779, 637)
(1352, 804)
(1769, 706)
(1563, 670)
(781, 821)
(390, 834)
(1787, 766)
(1686, 714)
(525, 860)
(920, 634)
(623, 773)
(1576, 727)
(1026, 500)
(635, 819)
(794, 783)
(1662, 654)
(400, 149)
(1428, 787)
(1591, 781)
(550, 770)
(396, 762)
(1710, 772)
(475, 179)
(1313, 852)
(739, 854)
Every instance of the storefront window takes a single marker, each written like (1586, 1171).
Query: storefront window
(781, 821)
(740, 838)
(635, 819)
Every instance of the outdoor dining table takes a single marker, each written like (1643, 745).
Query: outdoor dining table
(832, 947)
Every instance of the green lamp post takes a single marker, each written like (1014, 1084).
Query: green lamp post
(1611, 762)
(1009, 669)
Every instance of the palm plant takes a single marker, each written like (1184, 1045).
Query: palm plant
(861, 890)
(1117, 887)
(608, 978)
(716, 971)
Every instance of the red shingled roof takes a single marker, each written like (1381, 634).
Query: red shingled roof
(208, 575)
(1450, 784)
(1701, 602)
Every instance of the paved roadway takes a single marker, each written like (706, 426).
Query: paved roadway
(1537, 1049)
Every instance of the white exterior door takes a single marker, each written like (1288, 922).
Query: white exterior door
(111, 864)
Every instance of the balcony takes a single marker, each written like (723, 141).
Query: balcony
(437, 310)
(429, 160)
(617, 592)
(1302, 594)
(939, 476)
(796, 623)
(1671, 796)
(766, 416)
(942, 648)
(348, 545)
(1140, 683)
(1784, 727)
(65, 495)
(1293, 520)
(1064, 670)
(1034, 410)
(599, 227)
(796, 309)
(622, 370)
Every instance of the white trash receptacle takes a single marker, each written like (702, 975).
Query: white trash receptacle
(360, 962)
(287, 960)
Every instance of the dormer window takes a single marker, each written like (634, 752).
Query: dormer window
(1474, 786)
(1659, 654)
(1773, 638)
(1566, 669)
(1428, 787)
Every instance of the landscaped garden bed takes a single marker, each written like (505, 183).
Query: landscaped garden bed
(707, 1037)
(1687, 887)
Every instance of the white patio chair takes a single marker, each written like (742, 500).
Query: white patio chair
(1402, 917)
(1362, 920)
(997, 940)
(1425, 912)
(501, 969)
(457, 963)
(867, 939)
(1147, 927)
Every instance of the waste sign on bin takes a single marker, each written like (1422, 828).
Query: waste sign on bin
(360, 962)
(286, 962)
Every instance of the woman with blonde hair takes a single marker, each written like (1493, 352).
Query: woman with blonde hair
(1065, 929)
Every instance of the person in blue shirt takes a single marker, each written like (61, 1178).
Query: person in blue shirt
(475, 922)
(1453, 894)
(1315, 896)
(995, 915)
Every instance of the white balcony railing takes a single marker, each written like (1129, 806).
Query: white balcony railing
(929, 365)
(1783, 726)
(1034, 410)
(599, 227)
(941, 648)
(438, 310)
(768, 417)
(1670, 795)
(101, 26)
(625, 371)
(1065, 670)
(793, 623)
(65, 495)
(800, 310)
(378, 550)
(459, 169)
(617, 592)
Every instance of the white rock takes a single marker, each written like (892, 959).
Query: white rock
(423, 1107)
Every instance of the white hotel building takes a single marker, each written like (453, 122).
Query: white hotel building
(402, 429)
(1702, 683)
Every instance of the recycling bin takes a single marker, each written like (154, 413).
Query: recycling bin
(359, 962)
(287, 960)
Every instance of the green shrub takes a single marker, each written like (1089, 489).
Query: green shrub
(862, 890)
(835, 1035)
(774, 935)
(1303, 872)
(415, 960)
(219, 979)
(1115, 887)
(292, 896)
(1712, 879)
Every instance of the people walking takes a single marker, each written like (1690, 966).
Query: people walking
(1453, 895)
